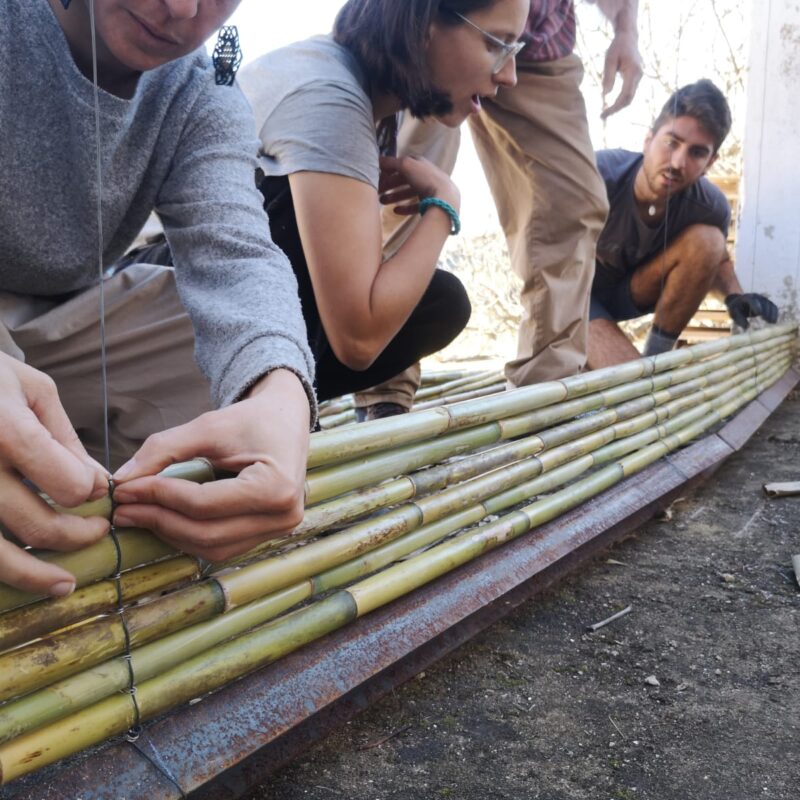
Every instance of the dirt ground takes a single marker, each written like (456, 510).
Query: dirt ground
(694, 695)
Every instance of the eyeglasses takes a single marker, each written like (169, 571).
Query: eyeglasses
(507, 51)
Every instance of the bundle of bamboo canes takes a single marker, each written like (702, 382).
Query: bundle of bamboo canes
(391, 505)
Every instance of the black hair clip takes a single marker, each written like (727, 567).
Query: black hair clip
(227, 56)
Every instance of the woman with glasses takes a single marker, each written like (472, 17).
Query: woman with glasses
(326, 111)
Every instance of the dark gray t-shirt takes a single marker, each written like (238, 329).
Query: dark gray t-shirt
(626, 242)
(312, 111)
(181, 146)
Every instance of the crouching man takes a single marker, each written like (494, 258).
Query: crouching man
(662, 249)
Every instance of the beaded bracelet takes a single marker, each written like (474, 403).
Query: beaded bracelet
(455, 220)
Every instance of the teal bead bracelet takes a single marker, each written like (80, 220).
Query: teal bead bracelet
(455, 220)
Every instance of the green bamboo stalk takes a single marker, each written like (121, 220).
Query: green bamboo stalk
(97, 682)
(329, 447)
(516, 527)
(62, 654)
(331, 481)
(471, 394)
(284, 569)
(93, 563)
(336, 406)
(92, 643)
(337, 420)
(93, 684)
(474, 380)
(432, 384)
(347, 508)
(436, 377)
(38, 619)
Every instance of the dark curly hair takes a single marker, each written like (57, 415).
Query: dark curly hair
(704, 102)
(388, 38)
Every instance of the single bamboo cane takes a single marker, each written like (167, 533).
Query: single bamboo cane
(475, 380)
(460, 397)
(435, 377)
(429, 380)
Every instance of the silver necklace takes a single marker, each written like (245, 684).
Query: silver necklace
(651, 210)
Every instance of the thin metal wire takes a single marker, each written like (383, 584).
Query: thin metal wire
(100, 242)
(157, 760)
(135, 731)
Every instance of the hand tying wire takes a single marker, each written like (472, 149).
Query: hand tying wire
(263, 439)
(39, 445)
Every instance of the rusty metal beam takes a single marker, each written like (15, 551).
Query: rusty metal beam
(232, 740)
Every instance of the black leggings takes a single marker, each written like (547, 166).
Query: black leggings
(440, 316)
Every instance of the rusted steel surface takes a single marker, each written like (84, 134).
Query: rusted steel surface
(229, 742)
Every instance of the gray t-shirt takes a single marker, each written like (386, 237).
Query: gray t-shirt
(312, 111)
(183, 147)
(626, 242)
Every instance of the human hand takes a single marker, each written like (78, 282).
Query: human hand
(38, 443)
(405, 181)
(263, 438)
(743, 306)
(622, 57)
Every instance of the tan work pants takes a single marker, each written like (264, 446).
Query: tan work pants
(533, 142)
(153, 380)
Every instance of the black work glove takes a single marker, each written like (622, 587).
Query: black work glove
(743, 306)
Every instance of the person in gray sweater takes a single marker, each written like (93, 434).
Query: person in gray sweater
(173, 141)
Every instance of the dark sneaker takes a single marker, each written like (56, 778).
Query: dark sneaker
(379, 411)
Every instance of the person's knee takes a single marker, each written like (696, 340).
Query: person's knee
(602, 327)
(456, 302)
(461, 305)
(706, 245)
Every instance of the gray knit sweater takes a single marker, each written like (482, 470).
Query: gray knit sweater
(183, 147)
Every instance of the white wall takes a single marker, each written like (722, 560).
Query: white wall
(768, 244)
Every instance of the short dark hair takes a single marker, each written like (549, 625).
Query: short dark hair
(388, 38)
(704, 102)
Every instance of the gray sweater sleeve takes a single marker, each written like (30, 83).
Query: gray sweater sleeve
(237, 286)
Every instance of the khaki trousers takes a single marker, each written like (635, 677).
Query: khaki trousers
(534, 146)
(153, 381)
